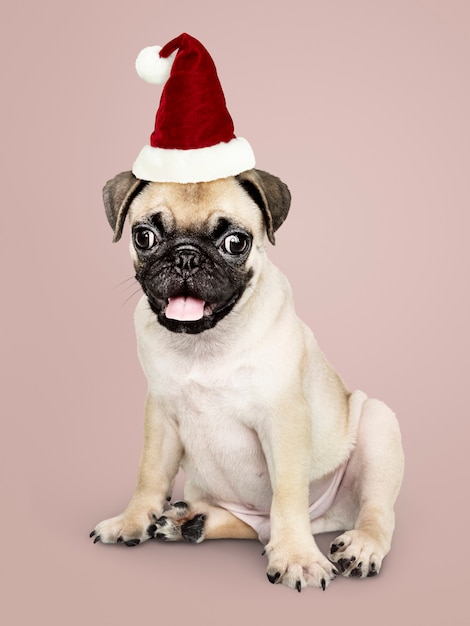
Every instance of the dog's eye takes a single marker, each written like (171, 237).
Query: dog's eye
(236, 243)
(144, 239)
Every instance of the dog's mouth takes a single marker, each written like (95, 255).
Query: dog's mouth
(190, 314)
(187, 309)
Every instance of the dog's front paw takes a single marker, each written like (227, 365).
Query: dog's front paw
(180, 523)
(357, 554)
(129, 528)
(299, 566)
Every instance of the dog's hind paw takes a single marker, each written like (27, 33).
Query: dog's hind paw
(180, 523)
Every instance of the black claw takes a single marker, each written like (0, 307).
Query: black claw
(93, 533)
(263, 553)
(275, 578)
(151, 530)
(119, 540)
(97, 538)
(180, 504)
(298, 586)
(323, 584)
(372, 571)
(335, 572)
(168, 499)
(132, 542)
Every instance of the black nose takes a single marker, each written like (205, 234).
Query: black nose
(187, 260)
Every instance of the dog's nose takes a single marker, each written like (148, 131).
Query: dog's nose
(187, 260)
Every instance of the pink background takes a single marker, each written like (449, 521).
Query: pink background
(363, 109)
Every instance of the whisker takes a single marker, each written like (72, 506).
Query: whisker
(137, 291)
(124, 282)
(130, 286)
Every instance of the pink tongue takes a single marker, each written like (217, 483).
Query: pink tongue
(185, 309)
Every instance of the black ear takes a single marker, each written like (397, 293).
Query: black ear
(270, 194)
(118, 194)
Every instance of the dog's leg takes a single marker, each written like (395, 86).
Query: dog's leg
(374, 477)
(293, 556)
(158, 467)
(196, 521)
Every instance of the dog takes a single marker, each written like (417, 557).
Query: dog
(273, 445)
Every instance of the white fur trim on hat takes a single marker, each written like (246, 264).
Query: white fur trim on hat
(222, 160)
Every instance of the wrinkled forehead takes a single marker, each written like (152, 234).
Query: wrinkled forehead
(197, 205)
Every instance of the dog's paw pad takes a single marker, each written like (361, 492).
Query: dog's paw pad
(180, 505)
(193, 529)
(180, 523)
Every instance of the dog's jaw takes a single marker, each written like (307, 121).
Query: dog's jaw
(212, 314)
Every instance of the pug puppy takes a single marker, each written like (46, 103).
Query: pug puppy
(273, 445)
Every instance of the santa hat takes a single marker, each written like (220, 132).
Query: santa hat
(193, 139)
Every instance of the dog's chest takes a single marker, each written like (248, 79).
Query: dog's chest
(216, 411)
(216, 405)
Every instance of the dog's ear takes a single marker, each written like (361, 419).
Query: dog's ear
(118, 194)
(270, 194)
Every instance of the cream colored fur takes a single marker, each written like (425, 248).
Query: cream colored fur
(257, 417)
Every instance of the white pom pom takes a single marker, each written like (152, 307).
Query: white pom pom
(151, 67)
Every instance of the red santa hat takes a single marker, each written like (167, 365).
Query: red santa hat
(193, 139)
